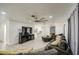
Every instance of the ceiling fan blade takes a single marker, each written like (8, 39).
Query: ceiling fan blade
(37, 19)
(45, 20)
(34, 16)
(42, 18)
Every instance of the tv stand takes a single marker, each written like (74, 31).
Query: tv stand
(25, 35)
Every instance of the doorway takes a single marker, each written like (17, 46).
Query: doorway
(52, 29)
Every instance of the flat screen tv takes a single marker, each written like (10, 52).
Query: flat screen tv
(27, 30)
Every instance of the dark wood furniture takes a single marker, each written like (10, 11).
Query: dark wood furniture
(46, 39)
(26, 34)
(49, 38)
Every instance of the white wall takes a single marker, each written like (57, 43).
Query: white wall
(4, 33)
(3, 20)
(74, 31)
(59, 28)
(14, 28)
(66, 30)
(1, 32)
(72, 34)
(44, 28)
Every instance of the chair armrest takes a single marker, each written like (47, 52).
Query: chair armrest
(61, 50)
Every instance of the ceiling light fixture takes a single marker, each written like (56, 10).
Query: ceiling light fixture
(50, 16)
(3, 13)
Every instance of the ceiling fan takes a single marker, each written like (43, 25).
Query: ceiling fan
(37, 19)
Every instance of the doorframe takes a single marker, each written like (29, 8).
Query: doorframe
(69, 30)
(78, 31)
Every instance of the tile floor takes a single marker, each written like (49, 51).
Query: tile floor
(37, 43)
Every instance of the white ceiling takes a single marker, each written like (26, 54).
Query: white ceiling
(22, 11)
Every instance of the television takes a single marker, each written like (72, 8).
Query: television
(26, 30)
